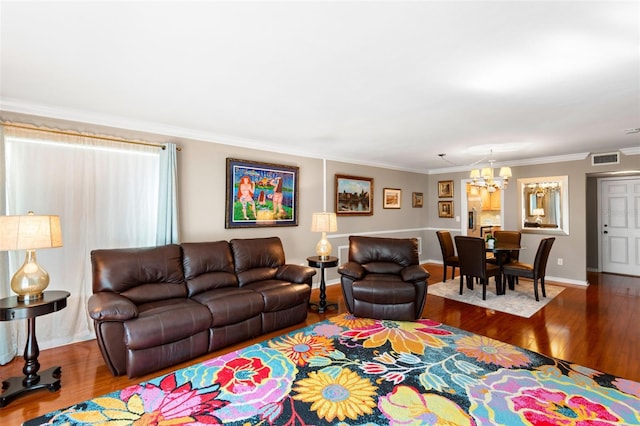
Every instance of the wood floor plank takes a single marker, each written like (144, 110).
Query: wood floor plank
(597, 327)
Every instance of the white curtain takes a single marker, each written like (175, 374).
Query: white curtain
(106, 194)
(168, 195)
(8, 347)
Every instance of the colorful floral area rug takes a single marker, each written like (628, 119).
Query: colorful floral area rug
(354, 371)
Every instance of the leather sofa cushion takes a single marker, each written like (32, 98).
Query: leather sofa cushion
(252, 253)
(207, 266)
(383, 268)
(231, 305)
(165, 321)
(280, 295)
(364, 250)
(112, 271)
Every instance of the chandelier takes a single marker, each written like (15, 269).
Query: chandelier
(485, 178)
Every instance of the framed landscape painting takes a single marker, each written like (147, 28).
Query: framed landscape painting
(392, 198)
(354, 195)
(261, 194)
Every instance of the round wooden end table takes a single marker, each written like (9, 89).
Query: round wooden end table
(323, 262)
(12, 309)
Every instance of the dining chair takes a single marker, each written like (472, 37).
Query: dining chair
(508, 237)
(473, 264)
(449, 257)
(536, 271)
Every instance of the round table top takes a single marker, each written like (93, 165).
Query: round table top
(322, 262)
(11, 308)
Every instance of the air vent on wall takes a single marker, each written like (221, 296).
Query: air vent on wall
(608, 158)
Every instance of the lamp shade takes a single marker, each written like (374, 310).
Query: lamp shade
(324, 222)
(505, 172)
(29, 232)
(538, 212)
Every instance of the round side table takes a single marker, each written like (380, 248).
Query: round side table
(12, 309)
(323, 262)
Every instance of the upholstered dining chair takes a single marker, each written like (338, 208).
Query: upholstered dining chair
(509, 237)
(383, 278)
(536, 271)
(449, 257)
(473, 264)
(506, 237)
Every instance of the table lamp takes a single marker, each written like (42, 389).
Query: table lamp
(324, 222)
(538, 212)
(28, 233)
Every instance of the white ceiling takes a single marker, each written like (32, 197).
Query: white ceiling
(390, 83)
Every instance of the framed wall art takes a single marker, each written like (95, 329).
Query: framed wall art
(417, 199)
(445, 208)
(445, 189)
(261, 194)
(354, 195)
(391, 198)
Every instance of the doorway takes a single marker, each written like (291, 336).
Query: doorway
(619, 234)
(482, 212)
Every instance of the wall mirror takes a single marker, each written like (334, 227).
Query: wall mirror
(544, 202)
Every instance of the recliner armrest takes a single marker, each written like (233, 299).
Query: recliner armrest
(414, 273)
(352, 270)
(295, 273)
(107, 306)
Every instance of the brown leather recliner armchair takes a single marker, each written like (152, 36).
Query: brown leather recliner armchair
(383, 278)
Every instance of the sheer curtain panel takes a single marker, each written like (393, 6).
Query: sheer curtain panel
(106, 194)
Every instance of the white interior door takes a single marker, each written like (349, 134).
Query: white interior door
(620, 221)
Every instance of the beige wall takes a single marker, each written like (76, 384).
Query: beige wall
(202, 178)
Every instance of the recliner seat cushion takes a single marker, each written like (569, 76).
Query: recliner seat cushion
(280, 295)
(379, 290)
(231, 305)
(165, 321)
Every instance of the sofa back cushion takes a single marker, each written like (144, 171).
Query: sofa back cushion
(257, 259)
(140, 274)
(383, 255)
(207, 266)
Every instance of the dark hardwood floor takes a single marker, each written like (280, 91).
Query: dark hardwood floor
(597, 327)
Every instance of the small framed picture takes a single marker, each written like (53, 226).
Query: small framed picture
(445, 189)
(417, 199)
(445, 208)
(391, 198)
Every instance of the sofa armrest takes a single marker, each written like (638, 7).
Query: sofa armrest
(295, 273)
(414, 273)
(352, 270)
(107, 306)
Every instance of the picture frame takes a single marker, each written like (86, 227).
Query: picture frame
(260, 194)
(391, 198)
(445, 189)
(445, 208)
(417, 199)
(353, 195)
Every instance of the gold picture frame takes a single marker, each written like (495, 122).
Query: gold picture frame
(445, 189)
(445, 208)
(417, 199)
(391, 198)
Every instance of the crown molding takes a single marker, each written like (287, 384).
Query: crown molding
(526, 162)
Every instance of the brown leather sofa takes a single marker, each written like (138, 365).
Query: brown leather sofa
(383, 278)
(154, 307)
